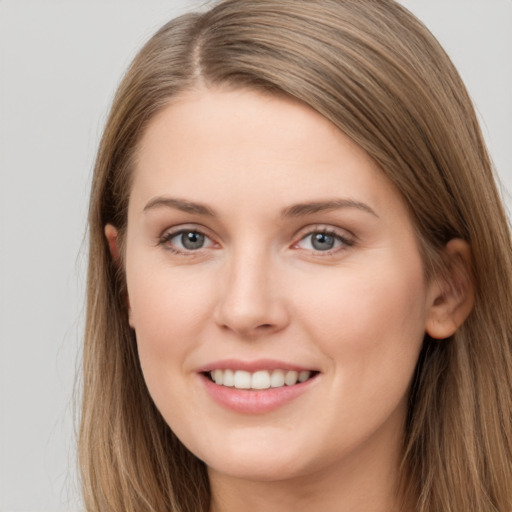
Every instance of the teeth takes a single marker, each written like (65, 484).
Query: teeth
(277, 379)
(261, 379)
(242, 380)
(304, 376)
(218, 376)
(291, 378)
(229, 378)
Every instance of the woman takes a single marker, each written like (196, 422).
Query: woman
(299, 276)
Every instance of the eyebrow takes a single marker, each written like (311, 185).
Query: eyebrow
(297, 210)
(302, 209)
(179, 204)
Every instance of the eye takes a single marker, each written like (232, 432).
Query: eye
(191, 240)
(185, 240)
(323, 241)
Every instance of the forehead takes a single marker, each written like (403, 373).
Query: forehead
(238, 146)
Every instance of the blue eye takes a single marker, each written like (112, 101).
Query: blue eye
(323, 241)
(185, 240)
(191, 240)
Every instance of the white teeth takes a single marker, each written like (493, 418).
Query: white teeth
(277, 379)
(261, 379)
(291, 378)
(218, 376)
(304, 376)
(229, 378)
(242, 380)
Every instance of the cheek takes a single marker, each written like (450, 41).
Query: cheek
(168, 308)
(371, 324)
(168, 312)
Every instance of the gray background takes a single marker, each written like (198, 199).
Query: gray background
(60, 62)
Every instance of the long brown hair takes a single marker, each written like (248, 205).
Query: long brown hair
(376, 72)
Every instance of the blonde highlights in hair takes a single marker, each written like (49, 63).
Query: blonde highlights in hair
(377, 74)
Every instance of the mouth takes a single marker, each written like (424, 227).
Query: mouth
(260, 379)
(257, 387)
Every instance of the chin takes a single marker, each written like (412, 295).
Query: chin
(258, 469)
(260, 457)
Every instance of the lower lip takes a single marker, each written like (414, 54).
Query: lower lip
(248, 401)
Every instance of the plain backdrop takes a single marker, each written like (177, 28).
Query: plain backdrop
(60, 62)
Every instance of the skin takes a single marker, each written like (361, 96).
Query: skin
(259, 288)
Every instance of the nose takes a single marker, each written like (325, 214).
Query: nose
(251, 302)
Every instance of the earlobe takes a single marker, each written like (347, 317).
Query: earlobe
(452, 296)
(111, 236)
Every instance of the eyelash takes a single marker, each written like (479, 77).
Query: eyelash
(166, 238)
(343, 241)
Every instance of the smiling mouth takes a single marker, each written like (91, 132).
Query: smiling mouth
(261, 379)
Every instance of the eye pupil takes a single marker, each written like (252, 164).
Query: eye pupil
(322, 241)
(192, 240)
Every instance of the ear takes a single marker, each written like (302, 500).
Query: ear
(452, 293)
(111, 235)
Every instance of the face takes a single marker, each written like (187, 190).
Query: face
(275, 287)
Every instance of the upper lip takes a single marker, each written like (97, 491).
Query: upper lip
(252, 366)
